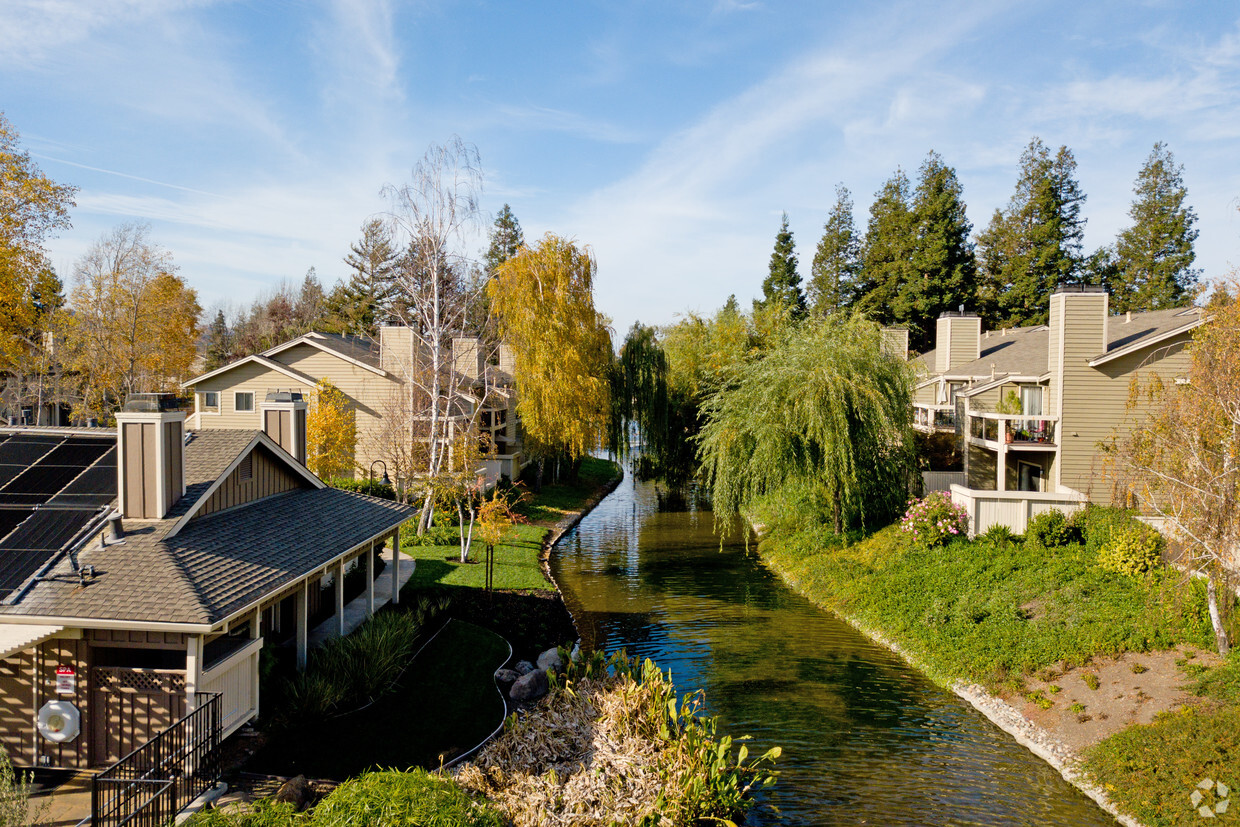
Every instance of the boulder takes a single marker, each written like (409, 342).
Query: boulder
(530, 686)
(524, 667)
(296, 791)
(506, 678)
(549, 661)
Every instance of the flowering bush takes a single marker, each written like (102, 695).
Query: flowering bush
(934, 519)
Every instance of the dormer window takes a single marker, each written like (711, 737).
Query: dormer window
(243, 402)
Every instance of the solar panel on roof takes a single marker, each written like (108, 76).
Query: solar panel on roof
(7, 472)
(10, 518)
(17, 566)
(76, 454)
(80, 500)
(42, 479)
(46, 529)
(100, 479)
(22, 450)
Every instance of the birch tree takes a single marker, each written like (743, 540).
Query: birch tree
(1182, 461)
(433, 216)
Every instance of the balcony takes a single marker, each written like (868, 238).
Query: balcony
(1013, 431)
(933, 419)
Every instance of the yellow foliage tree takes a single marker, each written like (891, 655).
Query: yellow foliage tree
(331, 432)
(135, 321)
(543, 301)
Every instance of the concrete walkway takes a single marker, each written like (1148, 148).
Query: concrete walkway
(355, 610)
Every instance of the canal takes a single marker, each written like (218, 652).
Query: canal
(866, 739)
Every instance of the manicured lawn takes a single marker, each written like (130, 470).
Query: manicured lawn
(445, 704)
(516, 559)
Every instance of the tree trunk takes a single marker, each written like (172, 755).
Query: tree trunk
(538, 476)
(1220, 634)
(424, 517)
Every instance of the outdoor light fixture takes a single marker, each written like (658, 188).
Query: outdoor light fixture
(385, 480)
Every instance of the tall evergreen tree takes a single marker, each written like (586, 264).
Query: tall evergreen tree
(886, 257)
(506, 240)
(837, 261)
(1154, 256)
(219, 345)
(1035, 244)
(358, 305)
(783, 285)
(943, 268)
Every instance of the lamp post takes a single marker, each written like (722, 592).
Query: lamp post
(385, 480)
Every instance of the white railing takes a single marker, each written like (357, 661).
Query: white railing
(1013, 429)
(236, 680)
(1013, 509)
(932, 481)
(932, 418)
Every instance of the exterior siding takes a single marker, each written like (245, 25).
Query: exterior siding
(980, 464)
(250, 378)
(965, 342)
(27, 681)
(269, 477)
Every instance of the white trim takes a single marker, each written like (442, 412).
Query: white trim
(259, 358)
(1140, 344)
(309, 339)
(259, 436)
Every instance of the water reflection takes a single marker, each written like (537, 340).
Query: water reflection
(866, 739)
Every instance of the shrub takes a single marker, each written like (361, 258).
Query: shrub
(1052, 529)
(409, 798)
(1096, 524)
(1133, 550)
(15, 790)
(265, 812)
(437, 535)
(1000, 535)
(373, 488)
(934, 519)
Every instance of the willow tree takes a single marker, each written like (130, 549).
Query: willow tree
(543, 301)
(826, 412)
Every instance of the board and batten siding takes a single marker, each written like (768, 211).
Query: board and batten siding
(268, 476)
(27, 681)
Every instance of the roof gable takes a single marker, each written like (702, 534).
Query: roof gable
(260, 359)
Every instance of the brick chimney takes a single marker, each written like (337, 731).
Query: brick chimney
(284, 420)
(957, 340)
(150, 467)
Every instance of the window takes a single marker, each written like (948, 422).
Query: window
(209, 401)
(1030, 477)
(1031, 400)
(243, 402)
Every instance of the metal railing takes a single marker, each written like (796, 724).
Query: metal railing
(934, 417)
(149, 786)
(1013, 428)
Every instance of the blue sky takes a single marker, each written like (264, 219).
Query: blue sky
(255, 136)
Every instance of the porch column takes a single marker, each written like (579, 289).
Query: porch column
(193, 670)
(1001, 465)
(395, 568)
(370, 581)
(256, 631)
(338, 576)
(301, 608)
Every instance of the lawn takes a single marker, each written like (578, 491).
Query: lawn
(517, 565)
(445, 704)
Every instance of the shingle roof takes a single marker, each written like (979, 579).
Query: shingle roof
(219, 563)
(355, 347)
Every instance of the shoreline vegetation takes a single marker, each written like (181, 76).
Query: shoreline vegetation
(1009, 622)
(671, 765)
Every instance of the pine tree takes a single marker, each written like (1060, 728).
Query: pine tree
(357, 306)
(1154, 256)
(1035, 244)
(943, 268)
(219, 348)
(886, 257)
(506, 240)
(837, 261)
(783, 285)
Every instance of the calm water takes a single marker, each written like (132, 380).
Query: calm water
(866, 739)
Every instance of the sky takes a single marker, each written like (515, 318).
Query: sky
(255, 137)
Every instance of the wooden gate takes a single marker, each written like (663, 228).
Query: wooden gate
(132, 706)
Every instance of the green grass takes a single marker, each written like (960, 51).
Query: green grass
(517, 566)
(445, 703)
(991, 612)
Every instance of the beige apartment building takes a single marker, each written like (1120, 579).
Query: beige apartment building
(1072, 380)
(378, 380)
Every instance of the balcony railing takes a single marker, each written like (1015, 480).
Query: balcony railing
(934, 417)
(1017, 430)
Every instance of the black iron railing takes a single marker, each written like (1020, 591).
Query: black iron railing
(149, 786)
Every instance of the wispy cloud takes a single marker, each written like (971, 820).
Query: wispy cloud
(545, 119)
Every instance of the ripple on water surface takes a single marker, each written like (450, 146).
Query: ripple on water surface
(866, 739)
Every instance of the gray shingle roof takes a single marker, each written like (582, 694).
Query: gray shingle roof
(355, 347)
(220, 563)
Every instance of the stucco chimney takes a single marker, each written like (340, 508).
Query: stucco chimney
(150, 456)
(396, 349)
(957, 340)
(895, 341)
(284, 420)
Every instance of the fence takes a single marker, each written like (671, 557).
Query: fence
(1013, 509)
(932, 481)
(149, 786)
